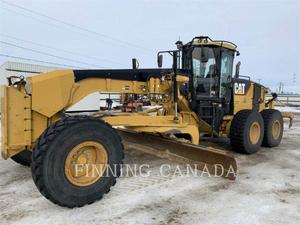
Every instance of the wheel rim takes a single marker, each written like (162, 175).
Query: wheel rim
(254, 132)
(86, 163)
(276, 129)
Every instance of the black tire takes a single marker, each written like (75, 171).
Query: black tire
(272, 117)
(23, 158)
(50, 153)
(240, 131)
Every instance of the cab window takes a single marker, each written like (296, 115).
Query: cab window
(203, 62)
(204, 71)
(226, 71)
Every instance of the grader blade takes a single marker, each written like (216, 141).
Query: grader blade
(213, 161)
(290, 116)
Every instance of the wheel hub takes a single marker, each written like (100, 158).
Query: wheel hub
(254, 133)
(276, 129)
(86, 163)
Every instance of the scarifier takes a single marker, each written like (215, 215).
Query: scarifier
(197, 96)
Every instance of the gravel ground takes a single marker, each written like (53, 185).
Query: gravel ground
(267, 191)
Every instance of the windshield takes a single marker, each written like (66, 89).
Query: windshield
(226, 72)
(204, 71)
(204, 62)
(211, 77)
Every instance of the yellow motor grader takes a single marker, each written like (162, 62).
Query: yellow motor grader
(198, 95)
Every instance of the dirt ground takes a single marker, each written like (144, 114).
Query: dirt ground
(267, 191)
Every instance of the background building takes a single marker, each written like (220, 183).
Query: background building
(17, 69)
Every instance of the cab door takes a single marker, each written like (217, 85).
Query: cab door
(225, 92)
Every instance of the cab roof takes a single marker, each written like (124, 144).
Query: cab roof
(205, 40)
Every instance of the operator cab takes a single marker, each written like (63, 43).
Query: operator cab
(210, 65)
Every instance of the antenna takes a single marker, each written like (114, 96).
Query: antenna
(280, 89)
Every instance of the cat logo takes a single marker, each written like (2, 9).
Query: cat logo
(239, 88)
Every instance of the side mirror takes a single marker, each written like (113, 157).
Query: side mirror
(160, 60)
(237, 53)
(237, 70)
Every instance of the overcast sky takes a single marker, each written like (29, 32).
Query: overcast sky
(267, 32)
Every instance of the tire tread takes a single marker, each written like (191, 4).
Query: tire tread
(41, 148)
(237, 130)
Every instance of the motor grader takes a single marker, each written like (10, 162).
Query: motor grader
(197, 96)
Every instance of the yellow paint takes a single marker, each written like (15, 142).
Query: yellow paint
(243, 101)
(15, 120)
(26, 115)
(86, 163)
(27, 112)
(254, 133)
(198, 41)
(51, 91)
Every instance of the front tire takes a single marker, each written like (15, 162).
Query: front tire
(247, 131)
(23, 158)
(273, 123)
(73, 141)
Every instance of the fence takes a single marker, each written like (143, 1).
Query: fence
(288, 100)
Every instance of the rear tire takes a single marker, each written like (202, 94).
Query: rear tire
(23, 158)
(76, 140)
(273, 124)
(247, 131)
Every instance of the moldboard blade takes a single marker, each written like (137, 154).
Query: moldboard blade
(217, 162)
